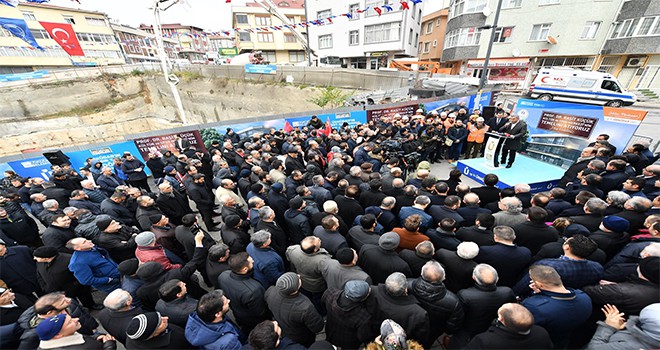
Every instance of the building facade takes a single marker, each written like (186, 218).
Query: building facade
(140, 46)
(432, 36)
(632, 49)
(277, 46)
(531, 34)
(192, 43)
(92, 30)
(367, 39)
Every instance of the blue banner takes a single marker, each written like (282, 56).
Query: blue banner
(19, 29)
(260, 68)
(4, 167)
(105, 155)
(33, 167)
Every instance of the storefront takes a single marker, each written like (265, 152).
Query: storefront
(501, 70)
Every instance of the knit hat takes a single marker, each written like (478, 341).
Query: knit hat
(392, 336)
(143, 326)
(649, 321)
(168, 169)
(145, 238)
(154, 219)
(356, 290)
(574, 229)
(45, 252)
(288, 283)
(376, 211)
(650, 268)
(49, 327)
(296, 203)
(256, 188)
(616, 223)
(103, 223)
(232, 220)
(149, 270)
(345, 255)
(128, 267)
(389, 241)
(245, 173)
(277, 187)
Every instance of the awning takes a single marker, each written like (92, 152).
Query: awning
(500, 62)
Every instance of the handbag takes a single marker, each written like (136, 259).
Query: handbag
(449, 142)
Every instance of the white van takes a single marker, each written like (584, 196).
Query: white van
(572, 85)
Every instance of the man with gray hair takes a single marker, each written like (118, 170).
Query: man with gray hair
(418, 208)
(217, 262)
(480, 304)
(416, 259)
(279, 238)
(397, 188)
(511, 212)
(320, 193)
(387, 218)
(329, 208)
(95, 195)
(616, 200)
(118, 313)
(505, 256)
(594, 209)
(587, 155)
(458, 264)
(268, 265)
(635, 211)
(51, 207)
(523, 193)
(388, 179)
(444, 309)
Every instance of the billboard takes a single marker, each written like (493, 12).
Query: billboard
(104, 154)
(156, 143)
(33, 167)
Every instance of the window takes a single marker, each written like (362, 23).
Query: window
(429, 27)
(437, 23)
(510, 4)
(354, 37)
(296, 56)
(323, 14)
(427, 47)
(241, 18)
(29, 16)
(610, 85)
(379, 3)
(573, 62)
(590, 30)
(325, 41)
(416, 39)
(435, 43)
(39, 34)
(379, 33)
(410, 36)
(289, 38)
(243, 36)
(460, 7)
(353, 10)
(503, 35)
(269, 56)
(548, 2)
(263, 20)
(644, 26)
(265, 37)
(540, 32)
(462, 37)
(97, 22)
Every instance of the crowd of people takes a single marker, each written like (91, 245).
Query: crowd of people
(306, 240)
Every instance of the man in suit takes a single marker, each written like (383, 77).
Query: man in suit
(181, 144)
(497, 122)
(514, 130)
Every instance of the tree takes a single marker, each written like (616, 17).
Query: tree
(209, 135)
(330, 96)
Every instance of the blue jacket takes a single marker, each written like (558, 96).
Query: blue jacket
(361, 156)
(268, 265)
(427, 220)
(94, 267)
(458, 133)
(216, 336)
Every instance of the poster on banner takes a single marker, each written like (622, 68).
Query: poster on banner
(105, 155)
(558, 131)
(33, 167)
(378, 114)
(157, 143)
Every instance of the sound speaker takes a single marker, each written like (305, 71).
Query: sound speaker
(56, 157)
(488, 112)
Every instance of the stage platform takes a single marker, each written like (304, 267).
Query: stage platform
(539, 175)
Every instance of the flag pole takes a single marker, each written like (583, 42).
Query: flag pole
(172, 80)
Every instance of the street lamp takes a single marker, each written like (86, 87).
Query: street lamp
(484, 74)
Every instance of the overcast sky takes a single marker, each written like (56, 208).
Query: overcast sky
(212, 15)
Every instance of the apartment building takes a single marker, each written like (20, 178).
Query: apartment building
(432, 36)
(141, 46)
(191, 41)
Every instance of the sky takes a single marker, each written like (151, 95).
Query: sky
(212, 15)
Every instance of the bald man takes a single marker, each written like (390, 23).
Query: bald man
(471, 209)
(514, 329)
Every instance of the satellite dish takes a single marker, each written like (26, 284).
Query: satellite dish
(552, 40)
(486, 11)
(515, 53)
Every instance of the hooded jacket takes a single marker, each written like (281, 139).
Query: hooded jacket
(298, 225)
(444, 309)
(213, 336)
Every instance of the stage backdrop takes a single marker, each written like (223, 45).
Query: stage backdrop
(105, 155)
(559, 131)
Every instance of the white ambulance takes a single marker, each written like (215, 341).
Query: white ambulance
(572, 85)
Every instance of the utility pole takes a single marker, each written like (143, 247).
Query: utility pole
(308, 46)
(172, 80)
(484, 73)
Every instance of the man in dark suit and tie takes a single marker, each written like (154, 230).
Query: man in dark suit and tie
(514, 130)
(497, 122)
(181, 144)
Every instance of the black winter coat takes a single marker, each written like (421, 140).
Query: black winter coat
(380, 263)
(500, 337)
(57, 237)
(120, 245)
(118, 212)
(296, 316)
(174, 207)
(347, 323)
(630, 296)
(115, 322)
(55, 276)
(404, 310)
(443, 307)
(480, 305)
(459, 270)
(247, 299)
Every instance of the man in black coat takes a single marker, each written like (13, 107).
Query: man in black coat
(481, 233)
(471, 210)
(217, 262)
(534, 233)
(379, 261)
(347, 324)
(115, 207)
(509, 259)
(172, 204)
(246, 293)
(614, 175)
(459, 265)
(587, 155)
(635, 211)
(53, 275)
(514, 329)
(293, 161)
(480, 304)
(20, 228)
(515, 131)
(488, 193)
(203, 199)
(134, 169)
(117, 239)
(18, 270)
(58, 233)
(278, 236)
(349, 207)
(118, 312)
(59, 194)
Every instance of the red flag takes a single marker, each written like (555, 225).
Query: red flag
(328, 127)
(404, 5)
(64, 35)
(288, 127)
(378, 10)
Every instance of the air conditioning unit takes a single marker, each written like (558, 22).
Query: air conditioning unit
(635, 61)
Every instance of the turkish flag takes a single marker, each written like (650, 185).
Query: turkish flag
(65, 36)
(287, 127)
(328, 127)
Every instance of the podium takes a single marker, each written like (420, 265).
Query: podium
(493, 146)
